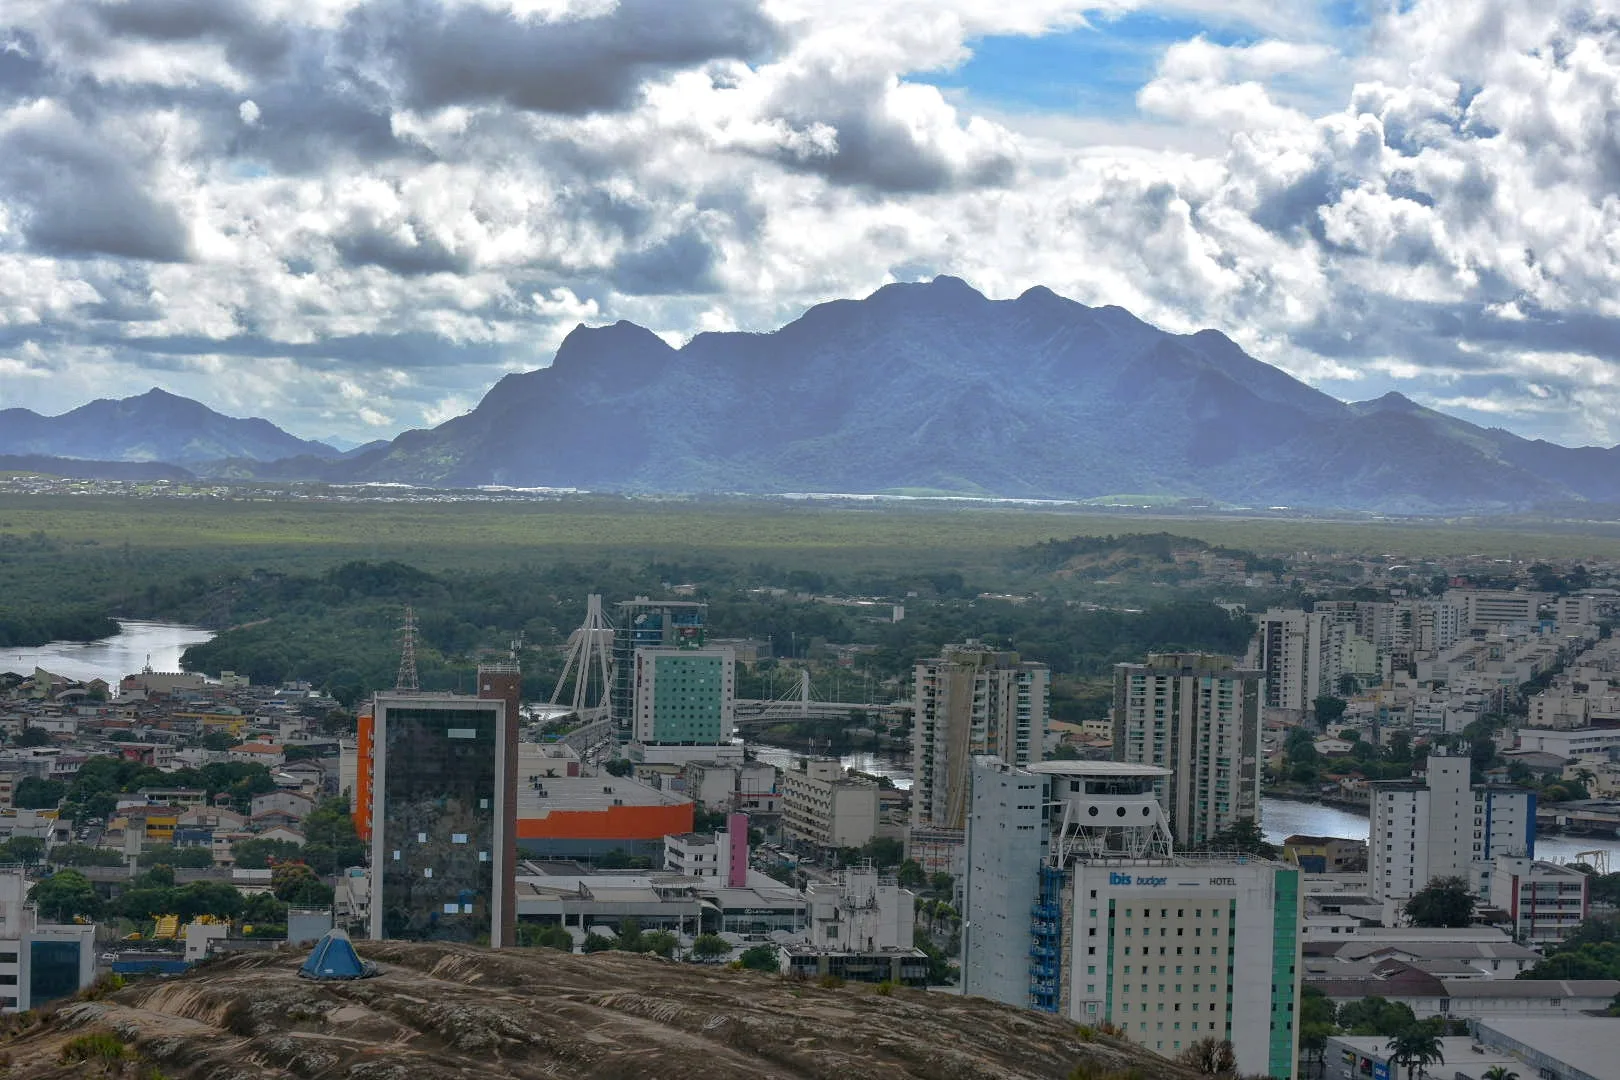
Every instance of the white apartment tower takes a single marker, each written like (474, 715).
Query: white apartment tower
(1197, 716)
(1442, 826)
(970, 701)
(1298, 654)
(1076, 906)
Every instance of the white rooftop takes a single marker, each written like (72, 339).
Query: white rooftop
(1586, 1043)
(1111, 769)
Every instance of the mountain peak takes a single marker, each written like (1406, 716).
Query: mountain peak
(1394, 401)
(619, 344)
(943, 289)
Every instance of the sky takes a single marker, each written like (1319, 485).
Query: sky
(353, 216)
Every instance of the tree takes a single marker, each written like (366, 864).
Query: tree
(216, 898)
(84, 855)
(331, 842)
(65, 895)
(1317, 1020)
(1499, 1072)
(1244, 836)
(911, 875)
(620, 767)
(597, 943)
(37, 793)
(1416, 1048)
(1316, 1007)
(218, 740)
(884, 851)
(1209, 1057)
(1300, 746)
(1376, 1016)
(31, 736)
(263, 908)
(545, 937)
(257, 853)
(629, 939)
(761, 958)
(710, 946)
(23, 849)
(660, 943)
(1444, 901)
(1329, 709)
(296, 884)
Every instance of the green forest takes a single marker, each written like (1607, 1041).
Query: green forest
(316, 590)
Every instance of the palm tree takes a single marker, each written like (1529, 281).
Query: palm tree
(1499, 1072)
(1415, 1048)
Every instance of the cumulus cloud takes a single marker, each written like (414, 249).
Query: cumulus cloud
(583, 62)
(362, 212)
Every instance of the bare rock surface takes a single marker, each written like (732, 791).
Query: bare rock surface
(455, 1012)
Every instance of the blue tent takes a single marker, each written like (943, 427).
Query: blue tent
(334, 958)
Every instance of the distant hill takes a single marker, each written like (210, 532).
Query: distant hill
(134, 471)
(932, 386)
(155, 426)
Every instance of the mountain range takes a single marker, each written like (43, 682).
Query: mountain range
(932, 387)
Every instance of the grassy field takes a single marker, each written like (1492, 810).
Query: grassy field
(811, 535)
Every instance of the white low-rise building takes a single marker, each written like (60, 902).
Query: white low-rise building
(1544, 902)
(861, 912)
(823, 806)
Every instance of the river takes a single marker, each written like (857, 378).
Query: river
(1279, 818)
(136, 645)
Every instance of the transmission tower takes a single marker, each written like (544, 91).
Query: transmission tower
(407, 653)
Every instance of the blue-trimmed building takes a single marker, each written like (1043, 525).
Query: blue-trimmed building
(1444, 826)
(1076, 905)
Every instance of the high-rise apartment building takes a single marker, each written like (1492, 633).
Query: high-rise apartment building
(1441, 826)
(441, 807)
(1197, 716)
(971, 700)
(1298, 653)
(1075, 905)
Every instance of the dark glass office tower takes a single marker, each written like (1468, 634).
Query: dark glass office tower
(443, 835)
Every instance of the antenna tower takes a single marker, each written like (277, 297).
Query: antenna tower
(407, 653)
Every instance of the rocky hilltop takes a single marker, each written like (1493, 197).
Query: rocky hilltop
(446, 1011)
